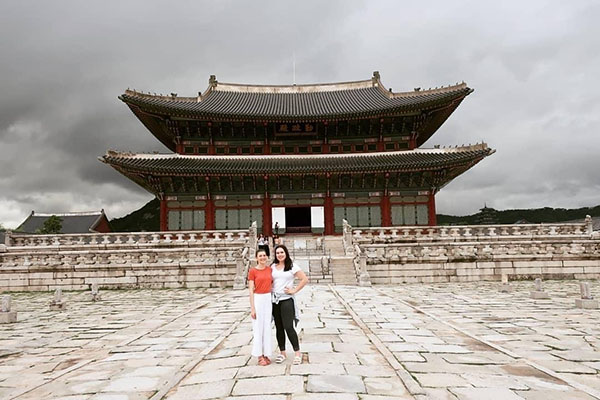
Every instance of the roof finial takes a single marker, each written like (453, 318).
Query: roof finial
(376, 75)
(294, 68)
(212, 81)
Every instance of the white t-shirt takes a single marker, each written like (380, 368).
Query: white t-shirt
(283, 279)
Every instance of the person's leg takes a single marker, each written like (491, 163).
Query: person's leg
(279, 330)
(256, 333)
(287, 316)
(267, 309)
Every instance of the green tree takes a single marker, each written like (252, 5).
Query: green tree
(51, 226)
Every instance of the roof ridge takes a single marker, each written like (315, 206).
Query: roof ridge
(67, 214)
(375, 81)
(295, 88)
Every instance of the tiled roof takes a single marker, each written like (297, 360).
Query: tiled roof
(83, 222)
(337, 100)
(176, 164)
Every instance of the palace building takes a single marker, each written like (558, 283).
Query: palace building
(304, 156)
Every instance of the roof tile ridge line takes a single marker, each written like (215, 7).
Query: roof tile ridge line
(172, 97)
(469, 147)
(130, 154)
(294, 88)
(477, 146)
(442, 89)
(69, 214)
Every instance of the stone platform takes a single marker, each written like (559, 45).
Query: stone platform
(438, 341)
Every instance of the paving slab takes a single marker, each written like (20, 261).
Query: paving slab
(438, 341)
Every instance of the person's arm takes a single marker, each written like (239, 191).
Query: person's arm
(251, 290)
(303, 281)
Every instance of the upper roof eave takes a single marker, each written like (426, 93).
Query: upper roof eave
(369, 98)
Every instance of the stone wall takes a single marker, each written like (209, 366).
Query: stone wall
(471, 253)
(133, 260)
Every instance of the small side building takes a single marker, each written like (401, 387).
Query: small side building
(73, 222)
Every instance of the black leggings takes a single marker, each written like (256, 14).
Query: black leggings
(283, 314)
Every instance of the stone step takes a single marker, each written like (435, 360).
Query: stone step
(342, 269)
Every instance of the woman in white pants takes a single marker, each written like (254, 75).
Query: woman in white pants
(259, 282)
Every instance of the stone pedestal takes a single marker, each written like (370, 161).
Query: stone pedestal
(364, 280)
(539, 295)
(586, 303)
(8, 317)
(239, 283)
(58, 306)
(506, 288)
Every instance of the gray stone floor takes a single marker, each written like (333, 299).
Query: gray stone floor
(442, 341)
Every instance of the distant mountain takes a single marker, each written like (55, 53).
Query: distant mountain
(533, 216)
(147, 218)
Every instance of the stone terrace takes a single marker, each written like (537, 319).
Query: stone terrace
(438, 341)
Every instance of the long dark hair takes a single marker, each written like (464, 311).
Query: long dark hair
(287, 262)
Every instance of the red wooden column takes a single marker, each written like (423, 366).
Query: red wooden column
(329, 215)
(431, 209)
(163, 215)
(386, 210)
(412, 143)
(267, 217)
(209, 214)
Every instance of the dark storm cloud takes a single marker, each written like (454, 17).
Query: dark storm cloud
(534, 67)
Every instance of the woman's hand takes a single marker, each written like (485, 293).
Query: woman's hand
(288, 290)
(253, 313)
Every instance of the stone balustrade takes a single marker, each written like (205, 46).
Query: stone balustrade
(16, 241)
(482, 260)
(125, 260)
(480, 250)
(414, 234)
(119, 268)
(485, 252)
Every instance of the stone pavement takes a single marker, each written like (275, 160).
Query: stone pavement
(439, 341)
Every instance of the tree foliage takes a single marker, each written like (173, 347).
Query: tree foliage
(146, 219)
(52, 225)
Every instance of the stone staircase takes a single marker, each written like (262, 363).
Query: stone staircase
(336, 269)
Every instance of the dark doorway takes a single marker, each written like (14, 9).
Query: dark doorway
(297, 219)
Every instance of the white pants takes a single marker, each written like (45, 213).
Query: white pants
(261, 326)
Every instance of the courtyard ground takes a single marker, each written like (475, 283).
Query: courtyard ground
(438, 341)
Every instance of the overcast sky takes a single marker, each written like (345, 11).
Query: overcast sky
(534, 66)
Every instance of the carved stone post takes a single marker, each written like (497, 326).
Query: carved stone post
(57, 303)
(364, 279)
(239, 283)
(7, 238)
(539, 293)
(95, 292)
(505, 287)
(252, 240)
(586, 301)
(347, 238)
(589, 225)
(7, 316)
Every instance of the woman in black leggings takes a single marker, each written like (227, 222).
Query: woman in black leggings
(284, 304)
